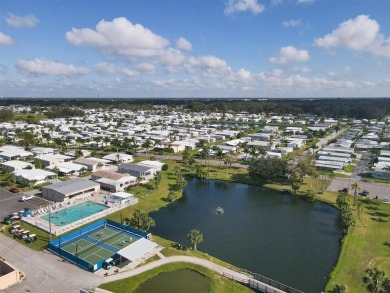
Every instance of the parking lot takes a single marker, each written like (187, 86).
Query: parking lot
(10, 203)
(381, 190)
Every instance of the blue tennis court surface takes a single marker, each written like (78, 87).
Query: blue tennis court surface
(74, 213)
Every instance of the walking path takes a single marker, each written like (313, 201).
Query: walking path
(45, 271)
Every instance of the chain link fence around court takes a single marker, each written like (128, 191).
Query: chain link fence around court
(90, 246)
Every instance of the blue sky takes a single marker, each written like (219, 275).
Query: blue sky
(195, 48)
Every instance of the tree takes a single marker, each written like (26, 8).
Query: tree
(228, 162)
(387, 170)
(342, 202)
(172, 195)
(219, 154)
(322, 181)
(304, 166)
(338, 289)
(26, 138)
(186, 155)
(376, 281)
(267, 168)
(6, 115)
(295, 186)
(141, 220)
(147, 144)
(78, 153)
(195, 237)
(355, 186)
(139, 180)
(134, 145)
(157, 179)
(310, 196)
(118, 158)
(200, 172)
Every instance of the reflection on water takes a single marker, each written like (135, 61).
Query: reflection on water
(264, 231)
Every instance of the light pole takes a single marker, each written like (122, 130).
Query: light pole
(50, 223)
(77, 255)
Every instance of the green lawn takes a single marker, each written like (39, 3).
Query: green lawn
(218, 284)
(349, 168)
(362, 247)
(365, 246)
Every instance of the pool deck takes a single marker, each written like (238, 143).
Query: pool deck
(36, 220)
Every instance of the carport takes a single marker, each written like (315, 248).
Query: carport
(136, 250)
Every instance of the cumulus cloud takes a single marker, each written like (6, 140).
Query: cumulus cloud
(290, 54)
(234, 6)
(292, 23)
(105, 68)
(147, 68)
(359, 34)
(183, 44)
(119, 37)
(5, 40)
(21, 21)
(130, 72)
(39, 66)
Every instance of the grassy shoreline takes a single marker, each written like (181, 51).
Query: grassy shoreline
(366, 245)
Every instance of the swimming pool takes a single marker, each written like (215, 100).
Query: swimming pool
(74, 213)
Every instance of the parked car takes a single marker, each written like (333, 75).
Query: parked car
(345, 189)
(14, 190)
(11, 218)
(365, 192)
(27, 197)
(31, 238)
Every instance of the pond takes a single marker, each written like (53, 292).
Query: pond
(182, 280)
(261, 230)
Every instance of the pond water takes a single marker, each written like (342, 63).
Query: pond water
(183, 280)
(261, 230)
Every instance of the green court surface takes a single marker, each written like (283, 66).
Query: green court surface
(115, 239)
(88, 251)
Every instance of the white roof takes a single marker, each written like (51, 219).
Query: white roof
(34, 174)
(114, 157)
(122, 194)
(137, 249)
(17, 164)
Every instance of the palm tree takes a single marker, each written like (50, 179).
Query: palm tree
(387, 169)
(355, 186)
(219, 154)
(228, 162)
(147, 144)
(134, 144)
(195, 237)
(118, 158)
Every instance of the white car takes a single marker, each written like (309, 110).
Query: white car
(27, 197)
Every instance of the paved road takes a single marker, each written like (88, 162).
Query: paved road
(361, 166)
(45, 272)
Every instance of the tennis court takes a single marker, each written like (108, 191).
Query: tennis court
(91, 245)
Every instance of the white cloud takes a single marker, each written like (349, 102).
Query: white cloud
(5, 40)
(359, 34)
(119, 37)
(209, 66)
(39, 66)
(290, 54)
(172, 57)
(105, 68)
(130, 72)
(292, 23)
(234, 6)
(21, 21)
(146, 68)
(183, 44)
